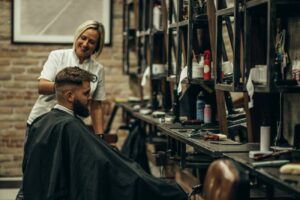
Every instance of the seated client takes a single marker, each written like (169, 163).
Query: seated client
(65, 160)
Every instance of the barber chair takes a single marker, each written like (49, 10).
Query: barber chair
(109, 111)
(224, 180)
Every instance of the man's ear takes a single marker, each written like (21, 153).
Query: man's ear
(70, 96)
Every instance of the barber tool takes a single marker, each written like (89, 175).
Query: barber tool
(225, 142)
(264, 137)
(271, 155)
(273, 163)
(158, 114)
(211, 136)
(197, 133)
(191, 122)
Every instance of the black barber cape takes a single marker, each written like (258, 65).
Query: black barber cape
(64, 160)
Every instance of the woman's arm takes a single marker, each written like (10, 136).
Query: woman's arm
(97, 116)
(46, 87)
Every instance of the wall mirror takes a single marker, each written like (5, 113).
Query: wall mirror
(44, 21)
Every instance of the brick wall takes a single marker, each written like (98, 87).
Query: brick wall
(20, 66)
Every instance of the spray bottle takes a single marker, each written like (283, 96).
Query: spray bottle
(200, 103)
(207, 70)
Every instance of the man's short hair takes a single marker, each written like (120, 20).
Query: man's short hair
(73, 76)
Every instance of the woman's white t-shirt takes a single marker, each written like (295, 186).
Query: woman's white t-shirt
(58, 60)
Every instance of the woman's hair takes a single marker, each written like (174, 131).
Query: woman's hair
(93, 25)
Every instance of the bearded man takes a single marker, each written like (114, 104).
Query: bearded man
(65, 160)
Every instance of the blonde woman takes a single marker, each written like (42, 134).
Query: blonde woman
(88, 45)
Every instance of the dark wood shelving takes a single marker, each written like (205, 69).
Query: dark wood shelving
(230, 87)
(254, 3)
(183, 23)
(225, 12)
(289, 89)
(158, 76)
(200, 81)
(129, 2)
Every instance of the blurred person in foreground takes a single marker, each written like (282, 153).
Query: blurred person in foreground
(65, 160)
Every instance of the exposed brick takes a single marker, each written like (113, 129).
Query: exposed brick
(4, 77)
(21, 125)
(20, 118)
(5, 126)
(26, 77)
(17, 70)
(24, 62)
(4, 62)
(6, 110)
(13, 84)
(6, 157)
(11, 103)
(35, 70)
(11, 151)
(4, 37)
(22, 110)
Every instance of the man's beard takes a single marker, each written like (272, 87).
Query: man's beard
(79, 109)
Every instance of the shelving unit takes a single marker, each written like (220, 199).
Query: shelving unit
(242, 33)
(244, 36)
(149, 46)
(230, 16)
(188, 35)
(266, 20)
(129, 38)
(263, 15)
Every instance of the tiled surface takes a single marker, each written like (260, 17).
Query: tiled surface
(8, 194)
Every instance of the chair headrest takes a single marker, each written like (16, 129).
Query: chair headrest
(225, 180)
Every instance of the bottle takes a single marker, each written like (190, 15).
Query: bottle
(200, 107)
(264, 137)
(207, 114)
(277, 70)
(207, 71)
(154, 101)
(195, 68)
(201, 66)
(176, 108)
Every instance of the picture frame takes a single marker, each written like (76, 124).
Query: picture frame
(54, 22)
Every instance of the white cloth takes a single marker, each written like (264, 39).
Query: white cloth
(183, 75)
(67, 110)
(250, 87)
(145, 76)
(58, 60)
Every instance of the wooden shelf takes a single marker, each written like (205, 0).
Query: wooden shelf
(253, 3)
(143, 33)
(289, 89)
(173, 25)
(200, 81)
(229, 88)
(158, 76)
(129, 2)
(183, 23)
(171, 78)
(225, 12)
